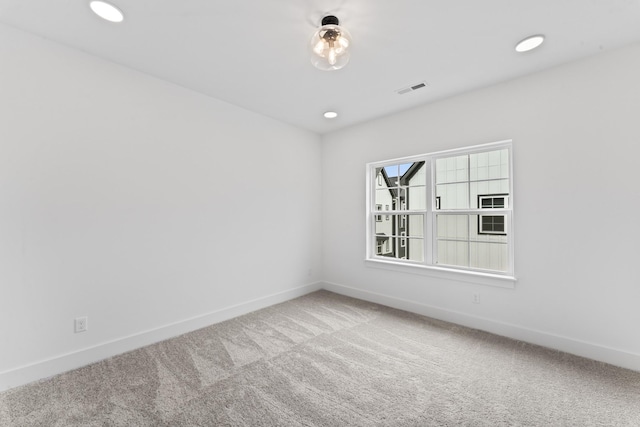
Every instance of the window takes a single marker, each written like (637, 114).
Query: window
(450, 209)
(488, 201)
(492, 224)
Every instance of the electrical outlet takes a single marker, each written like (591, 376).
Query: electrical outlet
(80, 324)
(476, 298)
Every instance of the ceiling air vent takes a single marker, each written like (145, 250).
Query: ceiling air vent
(411, 88)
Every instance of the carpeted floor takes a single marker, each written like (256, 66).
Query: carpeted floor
(329, 360)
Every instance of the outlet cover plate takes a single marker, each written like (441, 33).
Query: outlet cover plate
(80, 324)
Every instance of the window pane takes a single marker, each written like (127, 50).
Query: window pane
(453, 227)
(417, 197)
(415, 224)
(415, 249)
(489, 224)
(386, 197)
(452, 169)
(412, 174)
(381, 180)
(403, 169)
(453, 196)
(460, 244)
(402, 198)
(384, 246)
(392, 174)
(384, 225)
(401, 186)
(489, 190)
(489, 165)
(400, 225)
(493, 223)
(477, 233)
(487, 255)
(452, 240)
(453, 253)
(408, 248)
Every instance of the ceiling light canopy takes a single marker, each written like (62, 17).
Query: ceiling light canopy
(106, 11)
(330, 45)
(530, 43)
(330, 115)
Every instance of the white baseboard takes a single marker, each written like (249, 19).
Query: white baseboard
(568, 345)
(66, 362)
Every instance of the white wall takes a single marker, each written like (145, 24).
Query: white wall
(576, 198)
(138, 204)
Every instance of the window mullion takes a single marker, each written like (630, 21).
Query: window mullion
(468, 207)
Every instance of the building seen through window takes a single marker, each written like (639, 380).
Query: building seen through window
(401, 187)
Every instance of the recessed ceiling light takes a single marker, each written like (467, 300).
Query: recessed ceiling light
(330, 115)
(106, 11)
(530, 43)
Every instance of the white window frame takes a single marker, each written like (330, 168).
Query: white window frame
(429, 266)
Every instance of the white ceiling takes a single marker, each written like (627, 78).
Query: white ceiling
(254, 53)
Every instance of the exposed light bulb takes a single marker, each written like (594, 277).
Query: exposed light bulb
(319, 47)
(331, 57)
(329, 45)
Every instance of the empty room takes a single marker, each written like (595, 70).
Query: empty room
(319, 213)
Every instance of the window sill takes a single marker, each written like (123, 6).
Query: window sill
(474, 277)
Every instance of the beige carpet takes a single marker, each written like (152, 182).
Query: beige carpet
(329, 360)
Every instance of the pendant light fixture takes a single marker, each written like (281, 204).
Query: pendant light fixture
(330, 45)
